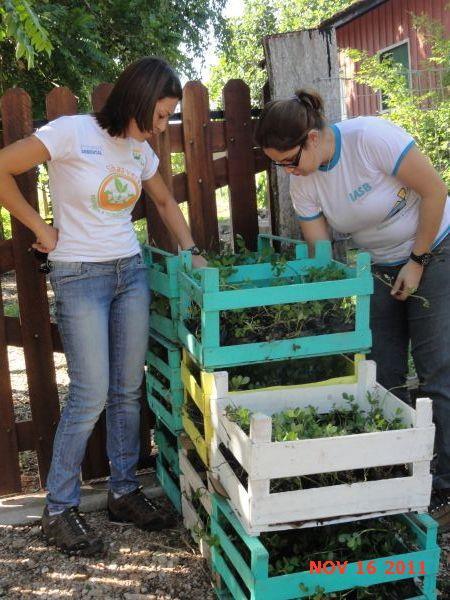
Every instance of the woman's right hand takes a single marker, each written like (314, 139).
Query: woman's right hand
(46, 238)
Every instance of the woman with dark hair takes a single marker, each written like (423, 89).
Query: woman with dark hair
(98, 164)
(365, 177)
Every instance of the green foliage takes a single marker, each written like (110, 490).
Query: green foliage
(19, 22)
(277, 321)
(93, 41)
(424, 114)
(242, 53)
(306, 423)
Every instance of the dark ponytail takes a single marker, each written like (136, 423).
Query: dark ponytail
(284, 124)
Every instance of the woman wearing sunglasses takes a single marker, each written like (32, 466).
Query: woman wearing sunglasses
(365, 177)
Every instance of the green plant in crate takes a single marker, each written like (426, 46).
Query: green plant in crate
(307, 423)
(279, 321)
(289, 372)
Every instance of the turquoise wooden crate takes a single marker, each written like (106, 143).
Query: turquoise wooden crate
(170, 411)
(255, 583)
(168, 483)
(168, 446)
(205, 291)
(164, 385)
(162, 269)
(167, 464)
(165, 356)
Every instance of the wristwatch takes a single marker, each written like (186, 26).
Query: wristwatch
(421, 259)
(194, 250)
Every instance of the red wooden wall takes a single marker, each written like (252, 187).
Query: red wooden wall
(381, 27)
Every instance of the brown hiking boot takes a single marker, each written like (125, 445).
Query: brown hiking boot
(136, 508)
(70, 533)
(440, 509)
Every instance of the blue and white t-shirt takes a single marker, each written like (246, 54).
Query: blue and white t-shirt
(359, 194)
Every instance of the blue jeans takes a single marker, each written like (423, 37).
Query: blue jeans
(395, 324)
(102, 311)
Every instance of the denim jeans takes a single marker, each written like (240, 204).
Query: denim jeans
(102, 311)
(395, 324)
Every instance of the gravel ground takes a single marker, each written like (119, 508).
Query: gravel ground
(137, 565)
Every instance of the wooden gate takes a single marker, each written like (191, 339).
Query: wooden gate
(198, 137)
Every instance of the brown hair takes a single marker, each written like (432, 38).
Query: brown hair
(136, 93)
(284, 124)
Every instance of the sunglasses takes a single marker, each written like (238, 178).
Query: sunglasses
(293, 163)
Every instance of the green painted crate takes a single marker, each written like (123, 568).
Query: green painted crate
(165, 358)
(162, 269)
(209, 352)
(167, 464)
(257, 585)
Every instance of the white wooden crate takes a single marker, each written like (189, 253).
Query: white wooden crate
(192, 483)
(263, 460)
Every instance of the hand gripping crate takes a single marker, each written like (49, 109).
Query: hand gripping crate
(162, 269)
(164, 386)
(264, 460)
(167, 464)
(244, 567)
(255, 290)
(195, 498)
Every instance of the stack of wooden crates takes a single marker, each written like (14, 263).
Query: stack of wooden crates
(188, 390)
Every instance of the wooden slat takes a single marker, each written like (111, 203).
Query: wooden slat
(241, 162)
(157, 231)
(217, 136)
(14, 334)
(25, 435)
(33, 303)
(60, 102)
(100, 94)
(6, 256)
(199, 166)
(10, 468)
(95, 463)
(147, 423)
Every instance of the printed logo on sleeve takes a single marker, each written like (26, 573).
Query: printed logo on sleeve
(138, 156)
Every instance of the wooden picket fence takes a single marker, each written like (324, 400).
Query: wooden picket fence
(198, 137)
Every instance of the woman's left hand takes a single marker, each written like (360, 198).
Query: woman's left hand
(198, 262)
(408, 280)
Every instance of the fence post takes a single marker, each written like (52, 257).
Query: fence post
(199, 166)
(241, 161)
(9, 449)
(157, 231)
(33, 303)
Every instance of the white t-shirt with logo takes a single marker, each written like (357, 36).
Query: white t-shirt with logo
(95, 181)
(359, 194)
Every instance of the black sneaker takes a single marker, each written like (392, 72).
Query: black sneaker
(440, 508)
(136, 508)
(70, 533)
